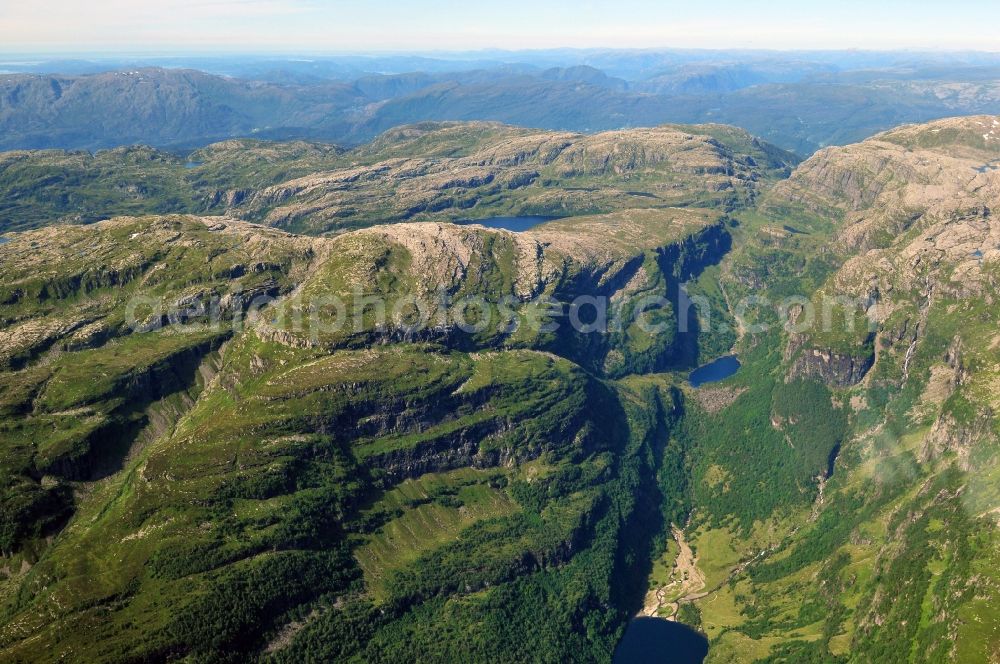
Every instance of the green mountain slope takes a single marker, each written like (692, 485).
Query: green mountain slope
(200, 462)
(893, 556)
(279, 490)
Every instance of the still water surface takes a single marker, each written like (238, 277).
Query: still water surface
(659, 641)
(720, 369)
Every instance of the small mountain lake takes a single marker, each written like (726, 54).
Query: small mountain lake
(192, 164)
(3, 239)
(516, 224)
(659, 641)
(714, 371)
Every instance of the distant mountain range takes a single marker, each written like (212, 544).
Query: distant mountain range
(799, 102)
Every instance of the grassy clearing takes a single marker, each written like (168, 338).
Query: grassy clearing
(717, 555)
(427, 526)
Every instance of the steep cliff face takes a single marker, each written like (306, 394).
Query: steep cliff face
(916, 233)
(958, 438)
(835, 369)
(617, 261)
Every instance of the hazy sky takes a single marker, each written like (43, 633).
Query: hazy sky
(313, 26)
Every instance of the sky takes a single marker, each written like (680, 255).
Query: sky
(367, 26)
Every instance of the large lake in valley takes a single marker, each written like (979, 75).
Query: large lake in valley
(659, 641)
(720, 369)
(516, 224)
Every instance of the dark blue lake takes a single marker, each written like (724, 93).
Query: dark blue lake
(659, 641)
(720, 369)
(516, 224)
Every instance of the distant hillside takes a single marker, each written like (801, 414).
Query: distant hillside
(157, 107)
(427, 171)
